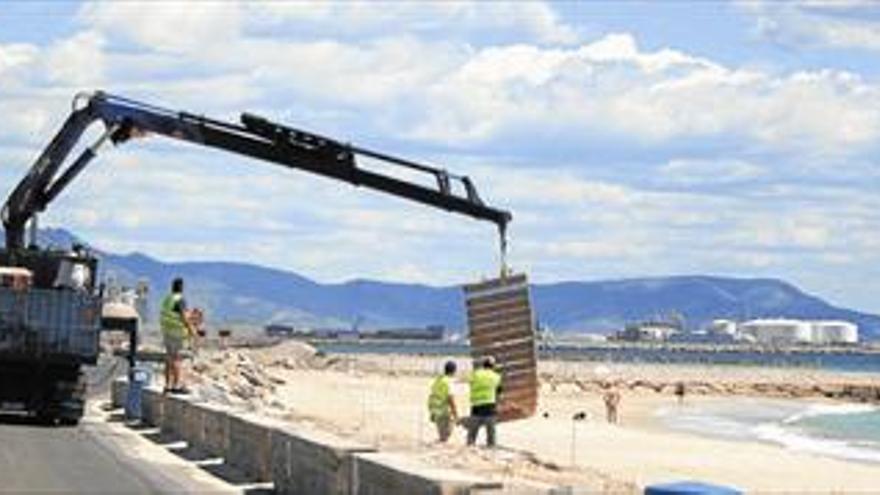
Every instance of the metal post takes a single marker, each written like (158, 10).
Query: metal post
(35, 227)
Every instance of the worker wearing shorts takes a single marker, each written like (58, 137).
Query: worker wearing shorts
(175, 331)
(441, 403)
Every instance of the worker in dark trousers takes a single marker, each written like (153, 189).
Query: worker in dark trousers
(485, 384)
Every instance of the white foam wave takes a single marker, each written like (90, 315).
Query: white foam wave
(798, 441)
(815, 410)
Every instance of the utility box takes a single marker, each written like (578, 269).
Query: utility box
(138, 379)
(501, 324)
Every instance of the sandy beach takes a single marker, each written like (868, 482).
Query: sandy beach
(380, 400)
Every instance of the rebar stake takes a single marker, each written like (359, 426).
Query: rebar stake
(502, 236)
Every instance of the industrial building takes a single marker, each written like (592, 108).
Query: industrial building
(649, 331)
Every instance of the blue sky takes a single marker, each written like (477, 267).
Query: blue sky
(628, 138)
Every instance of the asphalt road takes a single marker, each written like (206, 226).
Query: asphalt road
(36, 458)
(94, 457)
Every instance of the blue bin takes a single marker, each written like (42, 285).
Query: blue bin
(137, 380)
(690, 488)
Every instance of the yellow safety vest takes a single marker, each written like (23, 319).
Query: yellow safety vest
(171, 321)
(484, 387)
(438, 401)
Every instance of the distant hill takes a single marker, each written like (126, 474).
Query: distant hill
(254, 294)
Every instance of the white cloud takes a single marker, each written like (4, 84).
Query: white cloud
(696, 172)
(785, 232)
(610, 86)
(622, 48)
(454, 93)
(166, 26)
(23, 119)
(531, 20)
(77, 61)
(16, 55)
(818, 23)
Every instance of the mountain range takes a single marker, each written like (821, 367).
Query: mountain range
(249, 293)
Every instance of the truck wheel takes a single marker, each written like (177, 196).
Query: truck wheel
(44, 418)
(68, 421)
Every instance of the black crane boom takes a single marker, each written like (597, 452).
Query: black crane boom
(254, 137)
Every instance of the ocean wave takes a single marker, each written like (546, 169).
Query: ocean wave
(795, 440)
(815, 410)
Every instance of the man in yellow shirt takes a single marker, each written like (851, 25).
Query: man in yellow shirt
(485, 388)
(176, 330)
(441, 403)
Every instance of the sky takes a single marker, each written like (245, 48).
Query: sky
(628, 139)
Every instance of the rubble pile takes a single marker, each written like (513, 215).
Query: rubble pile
(249, 377)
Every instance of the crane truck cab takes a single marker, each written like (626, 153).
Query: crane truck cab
(48, 331)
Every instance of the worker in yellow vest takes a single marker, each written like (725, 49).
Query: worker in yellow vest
(176, 330)
(485, 389)
(441, 402)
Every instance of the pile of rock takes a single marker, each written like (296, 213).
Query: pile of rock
(245, 376)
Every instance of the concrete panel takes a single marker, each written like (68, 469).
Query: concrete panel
(192, 429)
(214, 439)
(250, 446)
(172, 418)
(531, 488)
(501, 324)
(153, 407)
(310, 462)
(394, 474)
(118, 392)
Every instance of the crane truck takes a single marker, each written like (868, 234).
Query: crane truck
(50, 304)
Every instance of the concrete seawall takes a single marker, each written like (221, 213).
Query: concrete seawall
(296, 460)
(312, 462)
(382, 473)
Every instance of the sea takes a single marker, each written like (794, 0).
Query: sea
(852, 361)
(846, 431)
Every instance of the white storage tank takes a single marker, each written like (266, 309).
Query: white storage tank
(778, 331)
(835, 332)
(727, 327)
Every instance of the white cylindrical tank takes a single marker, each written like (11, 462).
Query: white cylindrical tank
(778, 331)
(723, 327)
(835, 332)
